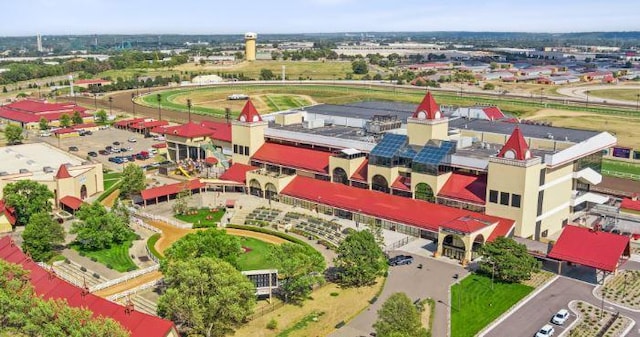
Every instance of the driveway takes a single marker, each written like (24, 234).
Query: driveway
(433, 280)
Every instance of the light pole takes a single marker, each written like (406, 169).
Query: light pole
(95, 100)
(159, 98)
(637, 102)
(587, 102)
(541, 90)
(189, 108)
(110, 105)
(133, 104)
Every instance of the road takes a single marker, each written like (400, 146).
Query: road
(433, 280)
(581, 93)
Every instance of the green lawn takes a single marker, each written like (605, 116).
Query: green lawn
(620, 167)
(474, 305)
(622, 94)
(117, 257)
(151, 244)
(200, 220)
(255, 256)
(109, 179)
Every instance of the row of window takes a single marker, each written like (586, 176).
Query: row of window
(239, 149)
(503, 198)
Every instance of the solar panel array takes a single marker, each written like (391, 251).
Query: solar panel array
(390, 145)
(434, 154)
(407, 152)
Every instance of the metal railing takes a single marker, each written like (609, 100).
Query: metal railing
(172, 222)
(151, 284)
(124, 278)
(399, 243)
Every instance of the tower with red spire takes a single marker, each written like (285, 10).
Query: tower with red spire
(247, 133)
(427, 122)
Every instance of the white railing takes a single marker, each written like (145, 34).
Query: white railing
(135, 290)
(144, 225)
(67, 276)
(124, 278)
(172, 222)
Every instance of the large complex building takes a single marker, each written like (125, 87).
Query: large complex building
(457, 180)
(28, 113)
(70, 178)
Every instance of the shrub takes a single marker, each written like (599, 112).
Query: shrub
(132, 268)
(83, 268)
(82, 253)
(340, 325)
(94, 259)
(272, 325)
(334, 294)
(109, 266)
(96, 275)
(67, 261)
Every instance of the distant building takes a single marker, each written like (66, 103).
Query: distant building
(88, 84)
(250, 46)
(27, 113)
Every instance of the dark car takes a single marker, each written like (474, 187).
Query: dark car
(103, 152)
(400, 260)
(108, 148)
(73, 148)
(92, 154)
(116, 143)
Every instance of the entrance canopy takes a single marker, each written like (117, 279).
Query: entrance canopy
(71, 202)
(596, 249)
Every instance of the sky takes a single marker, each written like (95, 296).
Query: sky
(60, 17)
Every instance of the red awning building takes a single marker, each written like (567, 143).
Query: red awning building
(168, 192)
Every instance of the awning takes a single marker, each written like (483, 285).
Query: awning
(71, 202)
(230, 203)
(211, 160)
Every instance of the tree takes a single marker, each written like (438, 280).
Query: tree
(101, 116)
(41, 235)
(507, 260)
(359, 67)
(43, 124)
(13, 134)
(181, 205)
(27, 197)
(133, 180)
(489, 86)
(4, 90)
(65, 121)
(26, 314)
(99, 228)
(360, 260)
(210, 243)
(299, 267)
(399, 317)
(206, 296)
(77, 118)
(266, 75)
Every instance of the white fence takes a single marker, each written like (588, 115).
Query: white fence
(124, 278)
(144, 225)
(172, 222)
(135, 290)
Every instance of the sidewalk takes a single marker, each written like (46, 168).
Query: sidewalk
(90, 265)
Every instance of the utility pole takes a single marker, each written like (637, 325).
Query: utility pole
(133, 104)
(189, 108)
(159, 98)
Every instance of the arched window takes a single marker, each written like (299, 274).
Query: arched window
(270, 191)
(255, 188)
(424, 192)
(83, 192)
(379, 183)
(340, 176)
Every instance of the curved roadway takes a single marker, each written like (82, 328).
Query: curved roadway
(581, 93)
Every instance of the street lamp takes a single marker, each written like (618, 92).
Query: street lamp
(541, 90)
(133, 104)
(189, 108)
(587, 102)
(110, 105)
(159, 98)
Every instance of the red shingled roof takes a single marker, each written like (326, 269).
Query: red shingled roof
(237, 172)
(8, 212)
(630, 204)
(429, 107)
(294, 157)
(71, 202)
(361, 173)
(161, 191)
(493, 113)
(394, 208)
(465, 187)
(516, 146)
(49, 286)
(221, 131)
(249, 113)
(596, 249)
(63, 172)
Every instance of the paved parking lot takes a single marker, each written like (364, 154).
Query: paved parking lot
(99, 140)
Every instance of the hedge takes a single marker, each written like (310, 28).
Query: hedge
(151, 242)
(270, 232)
(108, 192)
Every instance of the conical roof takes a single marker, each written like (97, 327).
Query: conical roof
(249, 113)
(428, 108)
(63, 172)
(516, 147)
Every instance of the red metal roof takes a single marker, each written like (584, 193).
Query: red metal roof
(64, 131)
(159, 145)
(596, 249)
(630, 204)
(161, 191)
(429, 107)
(8, 212)
(394, 208)
(517, 145)
(361, 173)
(504, 227)
(49, 286)
(465, 187)
(127, 122)
(71, 202)
(402, 183)
(190, 130)
(221, 131)
(211, 160)
(294, 157)
(237, 172)
(147, 125)
(493, 113)
(63, 172)
(249, 113)
(38, 107)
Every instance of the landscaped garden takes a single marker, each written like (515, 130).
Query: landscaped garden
(476, 301)
(115, 257)
(593, 322)
(623, 288)
(255, 254)
(110, 179)
(202, 218)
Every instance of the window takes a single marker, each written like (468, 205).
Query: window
(493, 196)
(565, 222)
(544, 233)
(540, 202)
(515, 200)
(235, 148)
(246, 150)
(504, 198)
(543, 176)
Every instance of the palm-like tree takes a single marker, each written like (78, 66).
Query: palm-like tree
(189, 108)
(159, 97)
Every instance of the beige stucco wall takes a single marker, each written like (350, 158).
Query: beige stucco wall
(348, 165)
(389, 173)
(279, 181)
(289, 118)
(435, 182)
(421, 131)
(247, 134)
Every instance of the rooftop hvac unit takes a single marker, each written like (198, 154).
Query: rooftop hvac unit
(4, 173)
(24, 170)
(313, 124)
(48, 169)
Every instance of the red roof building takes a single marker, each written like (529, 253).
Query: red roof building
(428, 108)
(221, 131)
(72, 202)
(596, 249)
(8, 212)
(147, 125)
(361, 172)
(125, 123)
(171, 189)
(412, 212)
(630, 204)
(249, 113)
(49, 286)
(515, 147)
(293, 157)
(237, 173)
(465, 187)
(402, 184)
(493, 113)
(190, 130)
(63, 172)
(31, 111)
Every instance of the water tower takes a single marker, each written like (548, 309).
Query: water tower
(250, 46)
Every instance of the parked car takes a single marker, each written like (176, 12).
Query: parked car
(400, 260)
(92, 154)
(546, 331)
(132, 140)
(115, 150)
(116, 143)
(103, 152)
(560, 317)
(45, 134)
(73, 148)
(159, 138)
(108, 148)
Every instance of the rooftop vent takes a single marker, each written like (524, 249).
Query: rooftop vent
(24, 171)
(48, 169)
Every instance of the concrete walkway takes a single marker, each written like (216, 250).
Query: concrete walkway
(97, 267)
